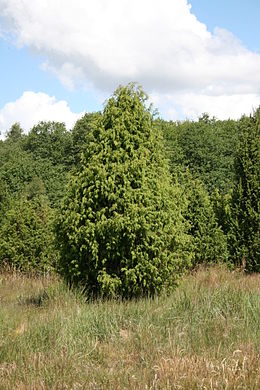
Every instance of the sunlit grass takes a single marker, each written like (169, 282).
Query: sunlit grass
(204, 335)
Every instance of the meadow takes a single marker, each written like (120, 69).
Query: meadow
(205, 335)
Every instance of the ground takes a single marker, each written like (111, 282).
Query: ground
(205, 335)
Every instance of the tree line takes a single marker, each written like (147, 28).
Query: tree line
(126, 202)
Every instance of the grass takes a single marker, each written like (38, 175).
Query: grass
(205, 335)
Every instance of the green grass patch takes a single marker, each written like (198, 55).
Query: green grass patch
(206, 334)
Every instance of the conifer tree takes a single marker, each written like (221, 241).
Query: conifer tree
(208, 242)
(26, 236)
(121, 231)
(80, 133)
(245, 231)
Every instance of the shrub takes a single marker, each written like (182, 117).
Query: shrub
(26, 237)
(245, 229)
(120, 230)
(209, 243)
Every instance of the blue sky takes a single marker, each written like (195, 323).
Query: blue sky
(31, 62)
(241, 17)
(21, 71)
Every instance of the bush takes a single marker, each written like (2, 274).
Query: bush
(245, 229)
(209, 243)
(26, 237)
(120, 230)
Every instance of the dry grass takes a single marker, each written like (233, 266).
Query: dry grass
(206, 335)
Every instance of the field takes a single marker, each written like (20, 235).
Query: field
(205, 335)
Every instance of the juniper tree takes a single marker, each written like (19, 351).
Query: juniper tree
(245, 230)
(120, 230)
(208, 242)
(26, 234)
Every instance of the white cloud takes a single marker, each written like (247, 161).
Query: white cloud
(191, 105)
(32, 108)
(159, 44)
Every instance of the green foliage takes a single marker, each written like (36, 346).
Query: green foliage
(222, 209)
(209, 244)
(81, 131)
(15, 133)
(126, 227)
(26, 238)
(205, 147)
(245, 229)
(120, 229)
(4, 199)
(50, 140)
(54, 177)
(18, 167)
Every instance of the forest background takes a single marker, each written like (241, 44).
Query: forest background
(213, 163)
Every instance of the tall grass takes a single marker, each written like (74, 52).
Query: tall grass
(205, 335)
